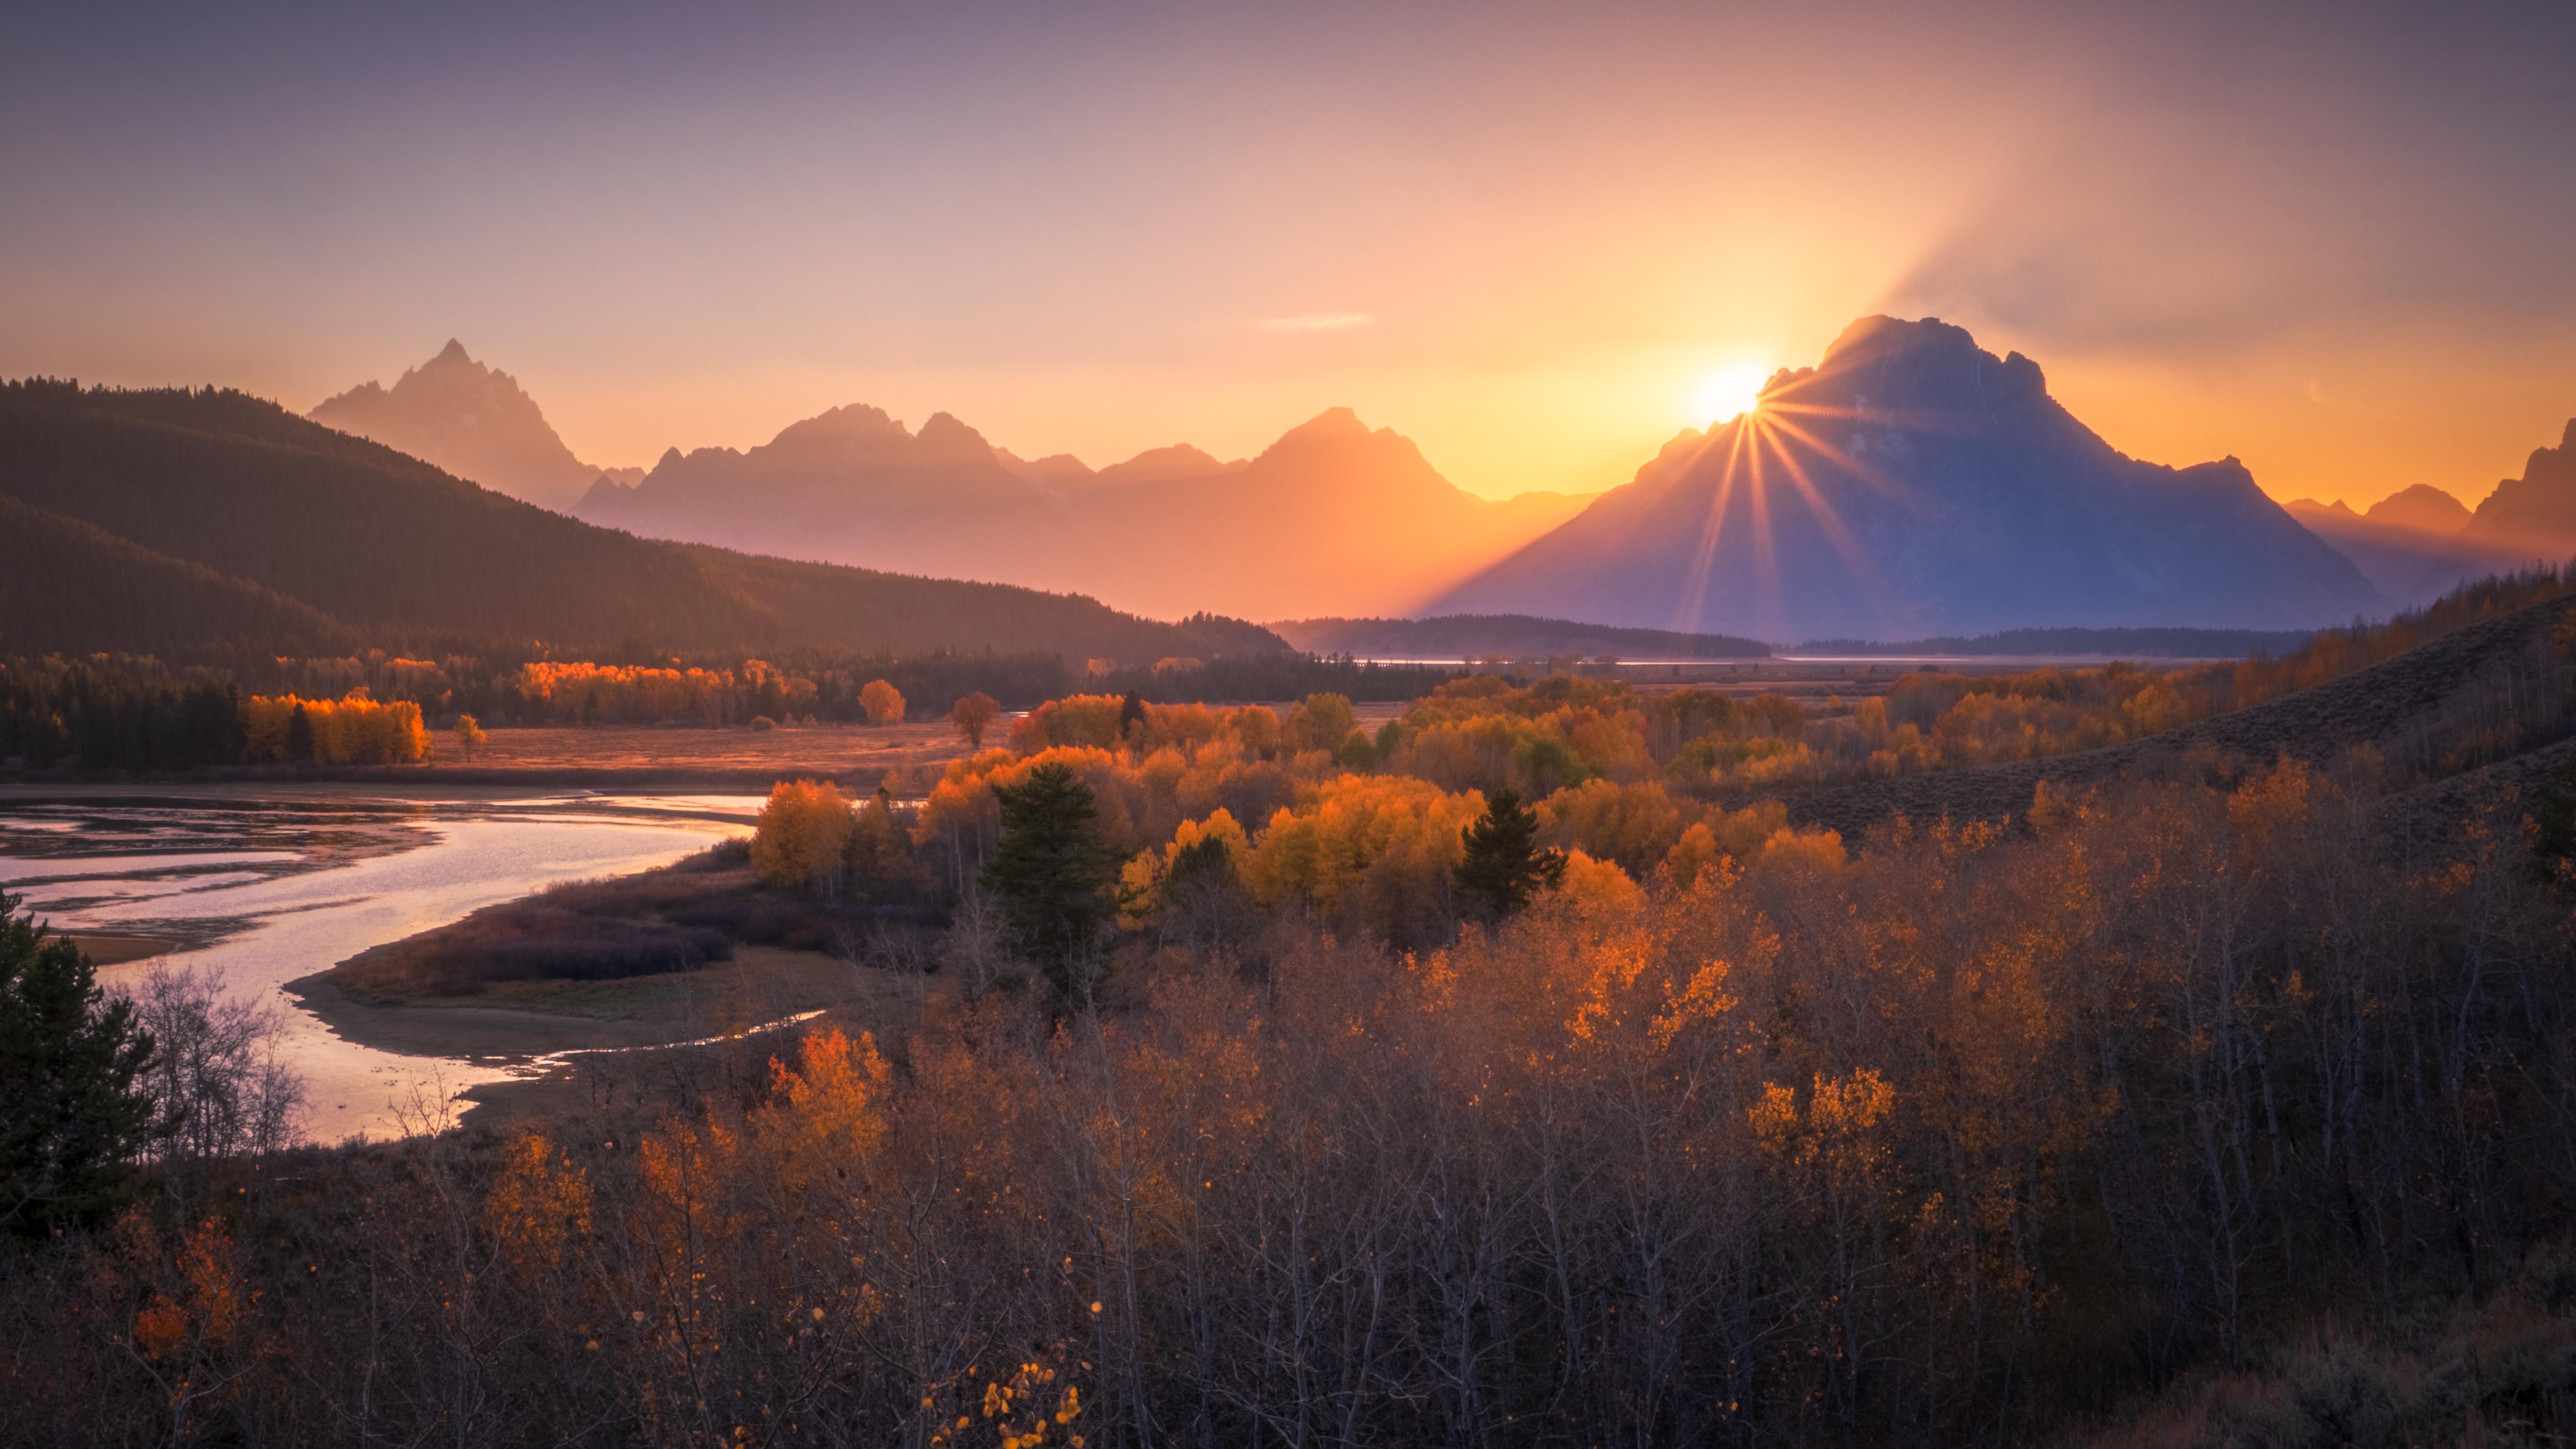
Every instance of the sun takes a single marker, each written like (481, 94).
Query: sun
(1727, 393)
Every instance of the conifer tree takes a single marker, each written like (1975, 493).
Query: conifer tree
(73, 1119)
(1051, 876)
(1503, 867)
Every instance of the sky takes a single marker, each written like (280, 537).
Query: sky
(1538, 240)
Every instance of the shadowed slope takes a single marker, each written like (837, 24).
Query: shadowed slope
(2470, 684)
(1913, 484)
(71, 588)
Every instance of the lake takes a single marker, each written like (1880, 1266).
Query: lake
(260, 887)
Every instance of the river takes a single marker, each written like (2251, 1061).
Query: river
(260, 887)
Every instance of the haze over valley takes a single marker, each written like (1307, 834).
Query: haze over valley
(1124, 725)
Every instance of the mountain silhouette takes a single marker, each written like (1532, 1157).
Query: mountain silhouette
(1913, 484)
(472, 421)
(2534, 515)
(207, 521)
(2409, 565)
(1333, 517)
(2422, 507)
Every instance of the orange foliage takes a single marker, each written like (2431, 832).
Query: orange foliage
(802, 834)
(355, 730)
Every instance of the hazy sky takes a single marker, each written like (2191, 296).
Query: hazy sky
(2337, 242)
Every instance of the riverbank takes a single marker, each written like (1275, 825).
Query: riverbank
(616, 758)
(677, 967)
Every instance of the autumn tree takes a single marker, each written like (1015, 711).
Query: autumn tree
(469, 734)
(1503, 867)
(972, 716)
(802, 835)
(1051, 876)
(882, 702)
(74, 1115)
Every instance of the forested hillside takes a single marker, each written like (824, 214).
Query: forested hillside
(401, 555)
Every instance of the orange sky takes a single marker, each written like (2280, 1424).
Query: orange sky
(1525, 236)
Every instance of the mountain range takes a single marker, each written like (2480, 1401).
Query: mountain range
(1909, 485)
(1333, 515)
(202, 525)
(2420, 542)
(473, 421)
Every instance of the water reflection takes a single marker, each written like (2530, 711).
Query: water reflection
(260, 889)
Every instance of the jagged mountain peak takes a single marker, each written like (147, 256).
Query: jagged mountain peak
(1913, 483)
(472, 420)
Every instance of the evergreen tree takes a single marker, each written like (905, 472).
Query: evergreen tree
(299, 736)
(1503, 866)
(1131, 715)
(1052, 878)
(73, 1120)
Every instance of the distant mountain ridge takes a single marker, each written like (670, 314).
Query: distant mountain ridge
(1517, 636)
(473, 421)
(2408, 563)
(1912, 484)
(1333, 516)
(251, 528)
(2420, 542)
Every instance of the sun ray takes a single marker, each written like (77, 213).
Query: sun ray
(1856, 561)
(1866, 472)
(1770, 599)
(1694, 592)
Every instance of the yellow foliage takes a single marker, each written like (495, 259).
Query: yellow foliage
(1142, 878)
(1636, 825)
(536, 1202)
(1391, 840)
(1595, 889)
(802, 835)
(882, 703)
(353, 730)
(832, 1106)
(1320, 722)
(1078, 721)
(1816, 850)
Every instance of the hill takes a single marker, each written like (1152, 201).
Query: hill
(2482, 693)
(1913, 484)
(1332, 517)
(471, 420)
(1477, 636)
(68, 587)
(214, 492)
